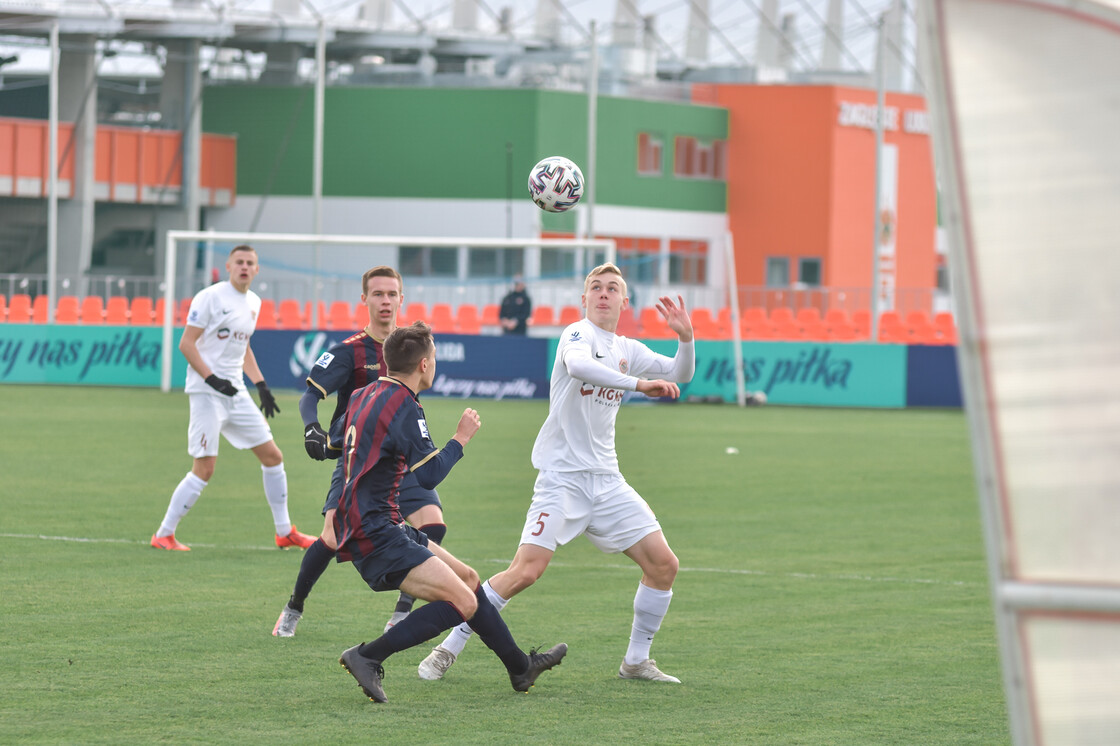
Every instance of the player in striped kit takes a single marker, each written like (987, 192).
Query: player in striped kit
(215, 343)
(345, 368)
(386, 436)
(579, 488)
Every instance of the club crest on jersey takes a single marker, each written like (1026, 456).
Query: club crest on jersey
(423, 429)
(324, 360)
(623, 365)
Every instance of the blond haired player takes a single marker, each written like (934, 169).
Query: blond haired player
(579, 489)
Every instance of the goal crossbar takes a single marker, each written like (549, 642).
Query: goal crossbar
(175, 237)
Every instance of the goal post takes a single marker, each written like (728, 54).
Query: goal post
(175, 238)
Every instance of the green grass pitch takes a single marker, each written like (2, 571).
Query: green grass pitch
(833, 587)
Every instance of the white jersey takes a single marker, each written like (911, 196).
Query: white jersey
(228, 318)
(593, 369)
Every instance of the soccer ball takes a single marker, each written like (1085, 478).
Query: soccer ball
(556, 184)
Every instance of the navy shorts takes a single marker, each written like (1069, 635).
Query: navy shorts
(398, 549)
(335, 492)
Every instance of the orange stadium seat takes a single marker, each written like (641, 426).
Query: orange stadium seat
(141, 311)
(704, 324)
(891, 328)
(490, 315)
(182, 308)
(93, 310)
(340, 316)
(628, 324)
(290, 315)
(945, 327)
(861, 323)
(19, 308)
(442, 319)
(542, 316)
(467, 319)
(116, 310)
(653, 326)
(785, 324)
(3, 308)
(68, 310)
(361, 316)
(39, 309)
(266, 317)
(570, 315)
(754, 323)
(414, 312)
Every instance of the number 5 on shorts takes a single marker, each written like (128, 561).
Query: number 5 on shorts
(540, 525)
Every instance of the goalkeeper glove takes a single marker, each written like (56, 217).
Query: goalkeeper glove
(221, 385)
(315, 441)
(268, 403)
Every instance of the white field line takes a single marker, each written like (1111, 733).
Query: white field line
(554, 563)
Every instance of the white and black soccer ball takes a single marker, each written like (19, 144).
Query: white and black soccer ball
(556, 184)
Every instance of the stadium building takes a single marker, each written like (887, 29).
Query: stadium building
(186, 117)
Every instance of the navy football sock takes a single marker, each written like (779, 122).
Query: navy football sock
(490, 626)
(316, 559)
(420, 626)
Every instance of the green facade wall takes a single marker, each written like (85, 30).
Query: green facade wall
(452, 143)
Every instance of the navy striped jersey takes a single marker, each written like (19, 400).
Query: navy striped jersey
(386, 437)
(346, 367)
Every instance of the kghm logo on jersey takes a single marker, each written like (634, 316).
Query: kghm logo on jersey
(223, 333)
(586, 389)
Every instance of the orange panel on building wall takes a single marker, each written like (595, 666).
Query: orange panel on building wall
(161, 168)
(218, 177)
(801, 182)
(124, 172)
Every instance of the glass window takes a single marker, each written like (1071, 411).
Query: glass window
(809, 272)
(411, 261)
(444, 262)
(777, 271)
(649, 154)
(688, 262)
(558, 262)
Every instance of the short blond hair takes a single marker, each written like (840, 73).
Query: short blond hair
(382, 271)
(605, 269)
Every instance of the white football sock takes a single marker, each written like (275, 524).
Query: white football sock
(457, 638)
(182, 500)
(650, 607)
(276, 491)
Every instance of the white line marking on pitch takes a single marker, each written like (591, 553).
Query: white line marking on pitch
(717, 570)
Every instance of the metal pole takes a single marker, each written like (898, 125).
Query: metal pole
(317, 159)
(879, 110)
(52, 178)
(168, 320)
(592, 129)
(736, 333)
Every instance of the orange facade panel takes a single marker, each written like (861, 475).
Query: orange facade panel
(218, 179)
(801, 184)
(25, 158)
(130, 164)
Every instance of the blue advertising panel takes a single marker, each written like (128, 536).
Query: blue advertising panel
(932, 379)
(466, 366)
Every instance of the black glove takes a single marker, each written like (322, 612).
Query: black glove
(268, 403)
(221, 385)
(315, 441)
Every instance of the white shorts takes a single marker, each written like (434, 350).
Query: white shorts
(603, 507)
(235, 417)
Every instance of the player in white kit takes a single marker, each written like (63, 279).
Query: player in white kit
(215, 343)
(579, 489)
